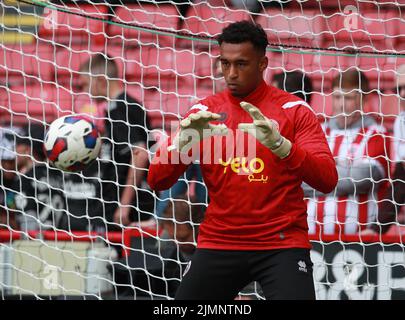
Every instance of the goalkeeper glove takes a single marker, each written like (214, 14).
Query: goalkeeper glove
(265, 131)
(195, 128)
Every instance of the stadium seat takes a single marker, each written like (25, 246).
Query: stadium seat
(292, 27)
(41, 102)
(162, 17)
(367, 31)
(318, 67)
(381, 70)
(172, 103)
(160, 114)
(193, 67)
(71, 27)
(207, 21)
(146, 64)
(400, 38)
(27, 63)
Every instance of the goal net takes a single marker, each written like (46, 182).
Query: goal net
(65, 235)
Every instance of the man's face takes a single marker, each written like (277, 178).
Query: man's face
(401, 89)
(346, 106)
(242, 67)
(23, 155)
(96, 86)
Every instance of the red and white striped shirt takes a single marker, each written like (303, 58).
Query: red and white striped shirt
(346, 214)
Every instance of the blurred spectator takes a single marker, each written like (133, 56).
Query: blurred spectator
(294, 82)
(154, 265)
(39, 198)
(83, 202)
(360, 150)
(8, 169)
(193, 174)
(181, 220)
(7, 177)
(390, 209)
(124, 156)
(29, 146)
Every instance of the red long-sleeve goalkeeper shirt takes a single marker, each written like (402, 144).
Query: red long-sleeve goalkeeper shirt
(256, 202)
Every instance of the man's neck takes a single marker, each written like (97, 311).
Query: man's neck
(114, 90)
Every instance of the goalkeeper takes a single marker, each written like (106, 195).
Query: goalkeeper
(255, 226)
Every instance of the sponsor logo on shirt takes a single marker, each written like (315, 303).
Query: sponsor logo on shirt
(243, 166)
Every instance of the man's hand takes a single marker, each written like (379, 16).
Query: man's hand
(196, 127)
(266, 131)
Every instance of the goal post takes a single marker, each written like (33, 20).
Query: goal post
(167, 59)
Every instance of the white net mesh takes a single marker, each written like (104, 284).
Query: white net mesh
(60, 234)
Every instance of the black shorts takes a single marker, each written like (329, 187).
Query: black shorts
(220, 274)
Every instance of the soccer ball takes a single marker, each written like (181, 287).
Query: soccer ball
(72, 143)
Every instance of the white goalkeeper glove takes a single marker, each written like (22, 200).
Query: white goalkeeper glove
(195, 128)
(265, 131)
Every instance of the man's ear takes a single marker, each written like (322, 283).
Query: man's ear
(264, 61)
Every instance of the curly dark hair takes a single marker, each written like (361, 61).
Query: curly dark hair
(245, 31)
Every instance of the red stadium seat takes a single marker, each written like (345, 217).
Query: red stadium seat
(292, 27)
(400, 38)
(172, 103)
(44, 103)
(158, 110)
(367, 31)
(145, 64)
(318, 67)
(27, 63)
(157, 62)
(193, 67)
(70, 27)
(163, 17)
(380, 70)
(204, 20)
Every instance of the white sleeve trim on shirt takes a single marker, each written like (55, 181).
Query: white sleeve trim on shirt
(293, 104)
(199, 106)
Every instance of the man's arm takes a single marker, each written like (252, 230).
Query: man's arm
(165, 168)
(393, 202)
(136, 174)
(310, 155)
(358, 178)
(173, 157)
